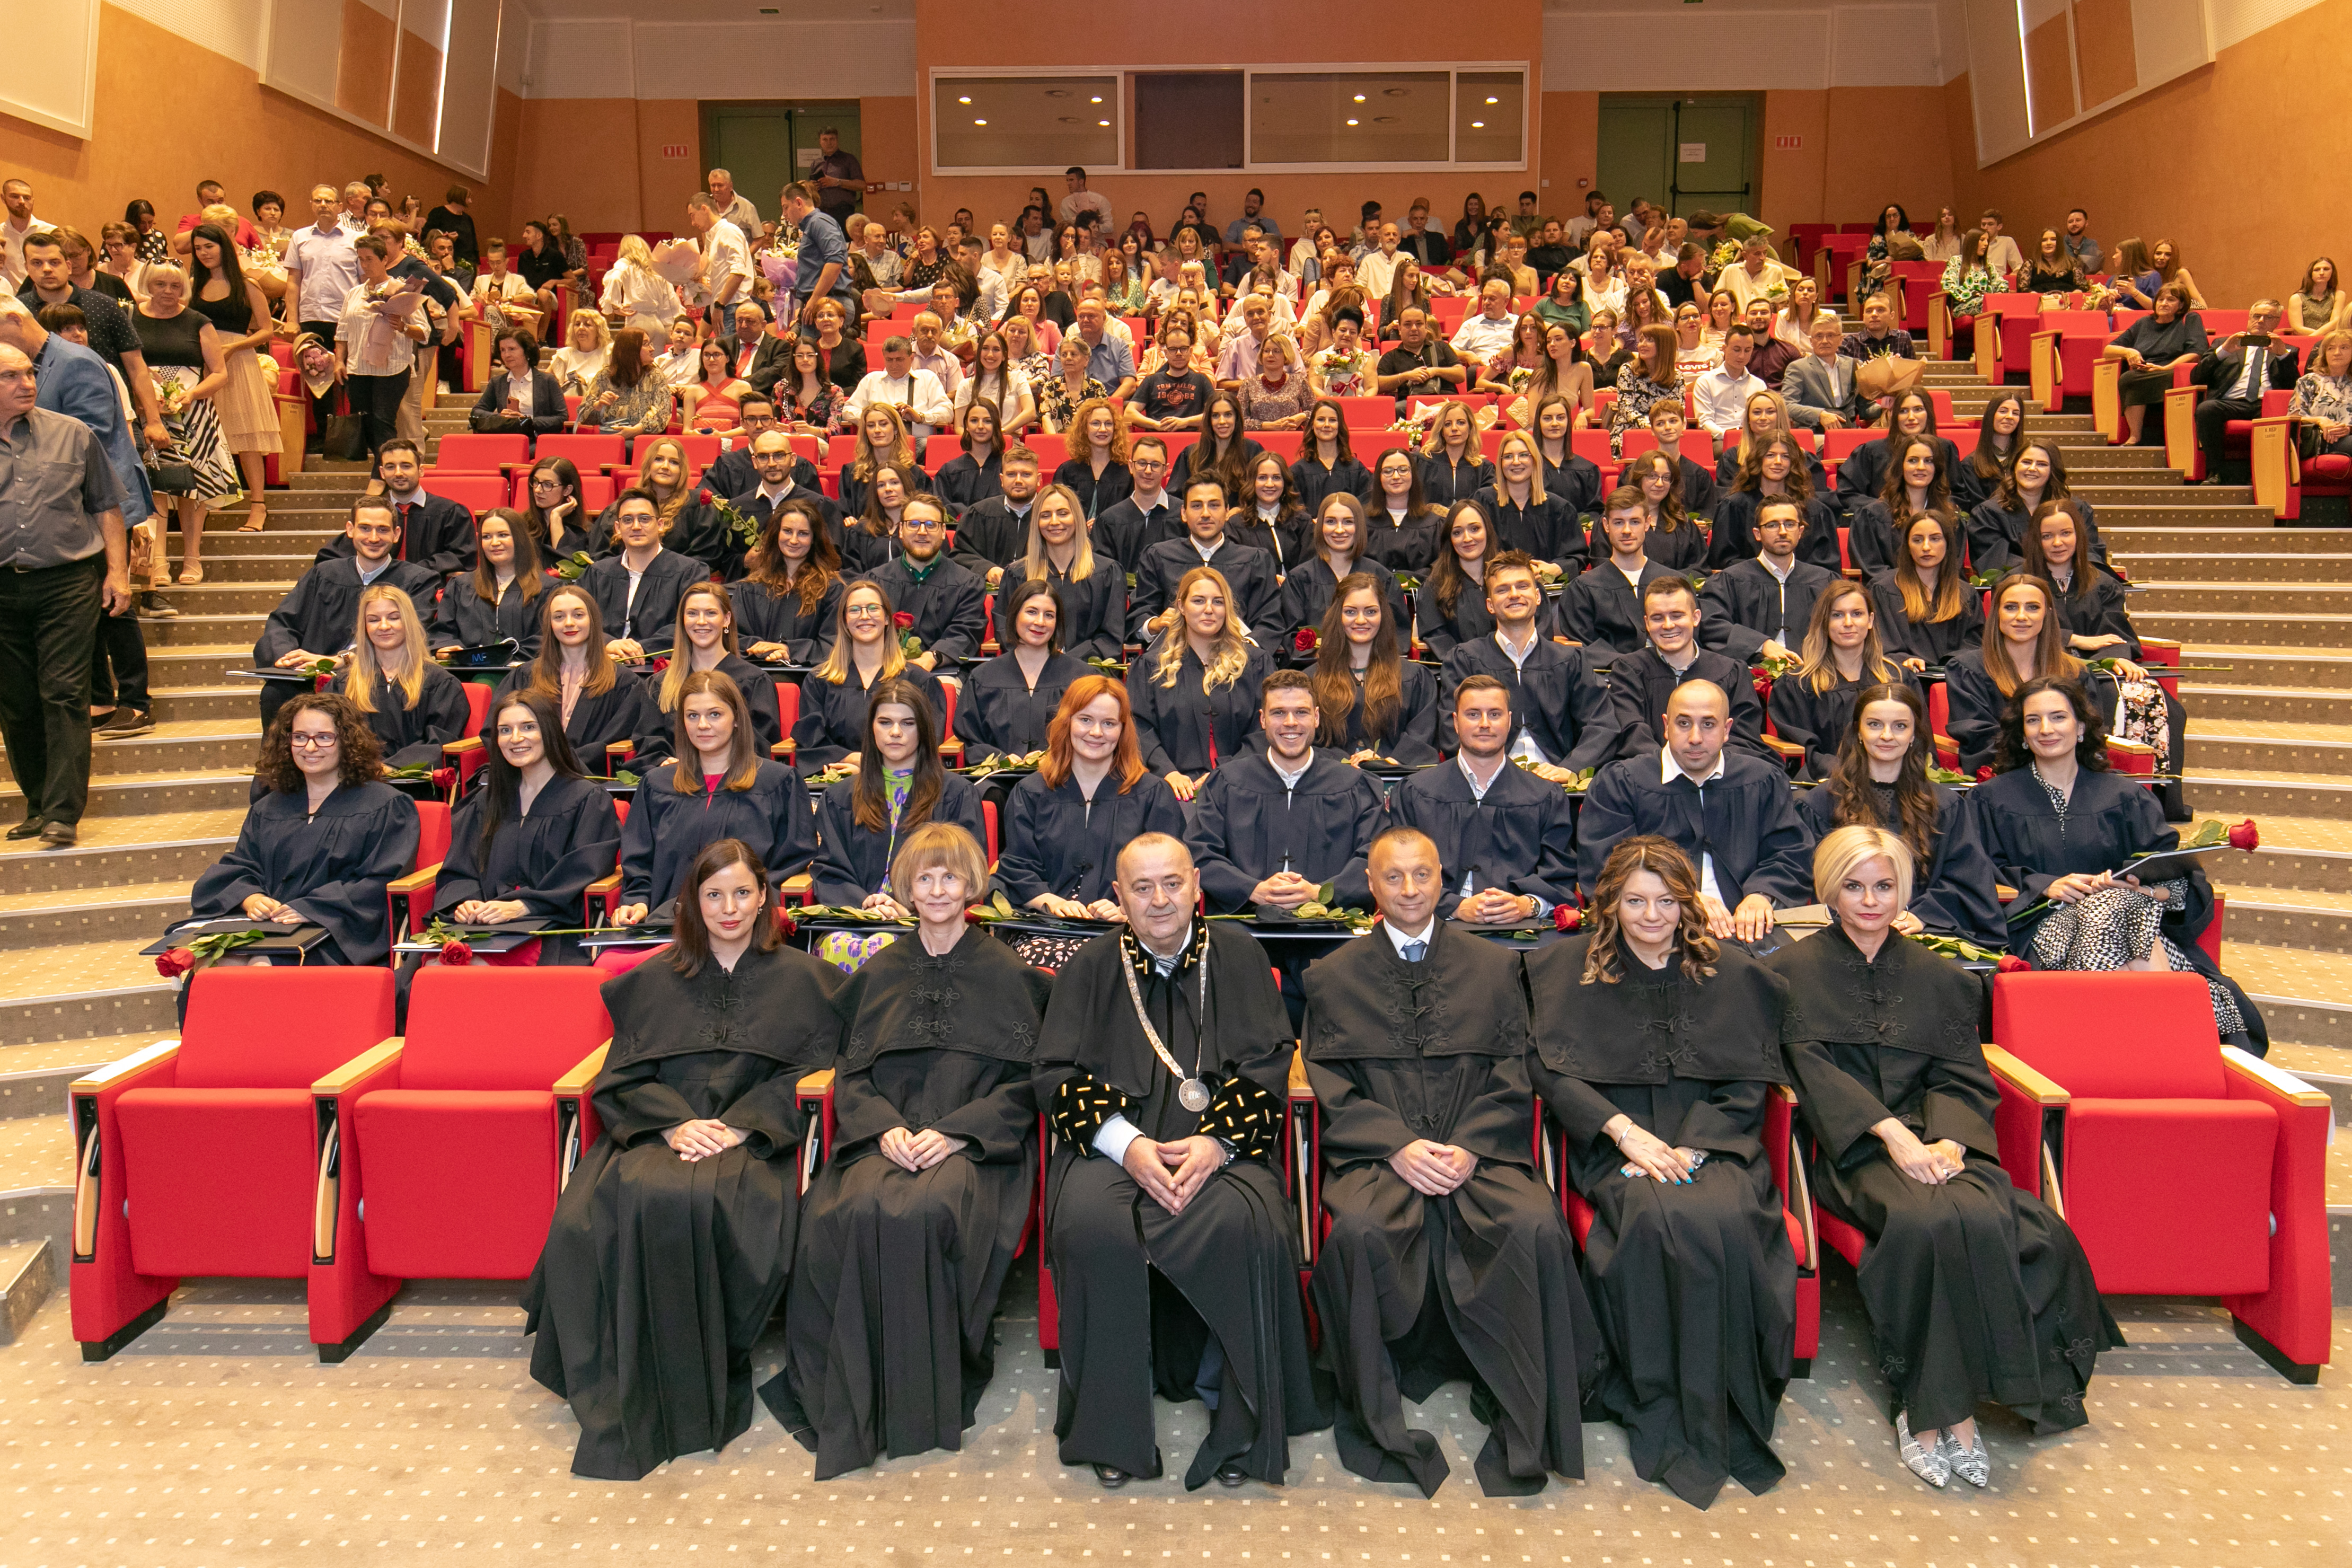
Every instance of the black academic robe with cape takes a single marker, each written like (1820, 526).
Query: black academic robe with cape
(1411, 735)
(333, 868)
(1745, 820)
(1054, 841)
(1176, 1303)
(889, 1342)
(1745, 604)
(1246, 827)
(999, 713)
(545, 858)
(599, 719)
(1975, 1290)
(667, 827)
(766, 613)
(1640, 682)
(1694, 1283)
(1557, 700)
(1410, 1290)
(1734, 539)
(659, 1274)
(1955, 893)
(1520, 836)
(1931, 642)
(415, 732)
(323, 612)
(1974, 704)
(1187, 728)
(1407, 545)
(1307, 594)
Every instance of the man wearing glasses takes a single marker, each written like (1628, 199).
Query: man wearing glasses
(941, 593)
(317, 620)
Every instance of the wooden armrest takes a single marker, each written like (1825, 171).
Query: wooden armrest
(372, 1060)
(951, 753)
(2129, 747)
(1299, 1085)
(461, 746)
(1787, 750)
(604, 884)
(1944, 742)
(137, 1062)
(2273, 1081)
(2004, 892)
(620, 750)
(583, 1072)
(417, 881)
(800, 885)
(819, 1082)
(2034, 1085)
(2151, 646)
(783, 750)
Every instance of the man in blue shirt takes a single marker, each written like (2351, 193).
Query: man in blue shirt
(823, 266)
(1109, 361)
(1253, 211)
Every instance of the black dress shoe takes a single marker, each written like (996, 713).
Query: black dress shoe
(1230, 1475)
(1111, 1477)
(28, 829)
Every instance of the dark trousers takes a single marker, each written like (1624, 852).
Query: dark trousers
(2213, 416)
(118, 665)
(48, 629)
(377, 400)
(323, 330)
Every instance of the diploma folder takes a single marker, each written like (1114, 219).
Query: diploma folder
(2164, 864)
(484, 938)
(277, 938)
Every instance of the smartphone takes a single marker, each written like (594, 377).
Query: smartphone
(2261, 338)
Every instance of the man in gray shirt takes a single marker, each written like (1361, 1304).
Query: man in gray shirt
(62, 560)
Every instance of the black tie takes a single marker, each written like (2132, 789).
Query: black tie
(2253, 387)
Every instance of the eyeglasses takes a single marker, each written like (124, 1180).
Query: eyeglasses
(312, 742)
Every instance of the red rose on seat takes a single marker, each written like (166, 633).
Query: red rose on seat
(2246, 836)
(444, 777)
(1984, 774)
(1307, 641)
(173, 962)
(2009, 963)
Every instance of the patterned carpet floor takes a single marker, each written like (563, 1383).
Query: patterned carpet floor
(217, 1439)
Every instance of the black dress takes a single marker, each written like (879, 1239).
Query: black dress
(464, 619)
(1151, 1301)
(599, 719)
(763, 614)
(1931, 642)
(832, 723)
(1695, 1284)
(660, 1274)
(1410, 736)
(1976, 704)
(332, 867)
(1406, 545)
(545, 858)
(1057, 840)
(1975, 1290)
(667, 827)
(1545, 530)
(888, 1335)
(659, 738)
(1411, 1291)
(1185, 727)
(1955, 893)
(415, 732)
(1000, 714)
(854, 861)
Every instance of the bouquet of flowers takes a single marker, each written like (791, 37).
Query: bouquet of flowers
(1004, 764)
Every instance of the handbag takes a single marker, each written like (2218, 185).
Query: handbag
(2310, 440)
(341, 438)
(169, 476)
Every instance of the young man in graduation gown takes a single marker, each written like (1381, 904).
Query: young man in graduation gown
(776, 477)
(1506, 839)
(1163, 1063)
(1729, 811)
(1446, 1256)
(1760, 608)
(735, 472)
(1602, 609)
(1559, 708)
(1145, 516)
(992, 536)
(1247, 570)
(638, 586)
(435, 533)
(1640, 682)
(321, 618)
(948, 602)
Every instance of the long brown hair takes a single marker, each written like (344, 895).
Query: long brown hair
(742, 744)
(1672, 514)
(1663, 856)
(1334, 683)
(1799, 484)
(1853, 800)
(1447, 577)
(1895, 492)
(1126, 763)
(821, 571)
(1950, 581)
(671, 692)
(868, 795)
(1817, 666)
(527, 574)
(689, 946)
(625, 363)
(547, 670)
(2050, 654)
(2037, 562)
(874, 520)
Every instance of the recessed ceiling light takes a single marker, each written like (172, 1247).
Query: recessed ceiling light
(1493, 101)
(1103, 122)
(1359, 98)
(963, 101)
(980, 122)
(1477, 125)
(1095, 100)
(1351, 123)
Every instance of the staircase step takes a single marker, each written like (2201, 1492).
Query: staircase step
(2247, 748)
(210, 705)
(34, 1076)
(2151, 514)
(2226, 705)
(137, 913)
(96, 988)
(125, 851)
(2200, 628)
(2293, 863)
(137, 794)
(2259, 536)
(2233, 794)
(237, 570)
(173, 748)
(2159, 568)
(2101, 458)
(194, 666)
(2265, 599)
(214, 597)
(2300, 990)
(2268, 917)
(28, 1272)
(209, 630)
(2271, 667)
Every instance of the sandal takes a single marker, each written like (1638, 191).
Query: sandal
(256, 518)
(191, 576)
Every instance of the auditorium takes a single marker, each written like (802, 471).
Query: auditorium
(1560, 782)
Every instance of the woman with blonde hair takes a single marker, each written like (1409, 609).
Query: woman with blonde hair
(587, 345)
(882, 438)
(706, 639)
(1195, 691)
(865, 652)
(1091, 585)
(413, 705)
(635, 294)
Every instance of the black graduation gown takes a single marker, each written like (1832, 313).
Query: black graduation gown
(436, 535)
(1094, 611)
(1556, 700)
(599, 719)
(1870, 539)
(1307, 592)
(545, 858)
(668, 828)
(963, 483)
(1313, 479)
(1640, 684)
(1407, 546)
(1727, 470)
(1096, 494)
(1054, 841)
(998, 715)
(1862, 471)
(888, 1339)
(1410, 1290)
(1976, 705)
(1746, 604)
(323, 612)
(1817, 721)
(1545, 530)
(1249, 574)
(1954, 894)
(990, 534)
(1700, 488)
(697, 533)
(1694, 1283)
(463, 620)
(1143, 1293)
(1931, 642)
(1734, 539)
(949, 604)
(1520, 836)
(1745, 820)
(1441, 634)
(763, 614)
(1246, 827)
(1412, 734)
(833, 716)
(1576, 482)
(1603, 611)
(853, 499)
(1997, 533)
(853, 861)
(659, 738)
(1185, 727)
(652, 618)
(1444, 482)
(1975, 1290)
(2098, 611)
(1684, 549)
(660, 1274)
(1283, 537)
(332, 867)
(1125, 529)
(410, 733)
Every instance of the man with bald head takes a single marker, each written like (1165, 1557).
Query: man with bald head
(1447, 1258)
(1162, 1063)
(1729, 811)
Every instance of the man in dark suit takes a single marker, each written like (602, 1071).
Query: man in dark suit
(735, 475)
(2236, 375)
(436, 534)
(1821, 390)
(755, 354)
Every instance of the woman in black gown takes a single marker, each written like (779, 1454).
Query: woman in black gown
(706, 639)
(673, 1241)
(789, 604)
(497, 601)
(1916, 484)
(1927, 613)
(1009, 700)
(1399, 526)
(911, 1227)
(1062, 828)
(1334, 550)
(602, 704)
(1092, 585)
(320, 847)
(1451, 608)
(530, 840)
(413, 705)
(866, 651)
(1194, 691)
(1811, 705)
(1654, 1051)
(1975, 1290)
(2021, 640)
(899, 786)
(720, 787)
(1676, 540)
(1372, 703)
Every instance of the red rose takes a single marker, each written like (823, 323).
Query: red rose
(457, 953)
(1984, 774)
(173, 962)
(972, 916)
(702, 497)
(786, 924)
(1306, 641)
(2009, 963)
(444, 777)
(1566, 917)
(904, 620)
(2246, 836)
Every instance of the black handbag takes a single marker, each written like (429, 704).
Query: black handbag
(2310, 440)
(341, 438)
(168, 477)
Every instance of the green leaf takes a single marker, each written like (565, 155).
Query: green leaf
(1001, 904)
(1327, 892)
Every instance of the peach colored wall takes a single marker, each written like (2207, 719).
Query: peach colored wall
(154, 143)
(1791, 180)
(2229, 163)
(363, 79)
(885, 134)
(1861, 147)
(1569, 151)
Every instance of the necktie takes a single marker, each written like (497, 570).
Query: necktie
(1413, 949)
(406, 508)
(2253, 386)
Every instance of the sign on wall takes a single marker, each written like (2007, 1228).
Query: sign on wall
(1692, 152)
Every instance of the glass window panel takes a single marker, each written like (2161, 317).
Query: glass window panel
(1349, 116)
(1489, 117)
(1025, 122)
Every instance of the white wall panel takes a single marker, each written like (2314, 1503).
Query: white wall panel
(62, 92)
(579, 59)
(1709, 49)
(2235, 19)
(231, 28)
(1885, 46)
(613, 58)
